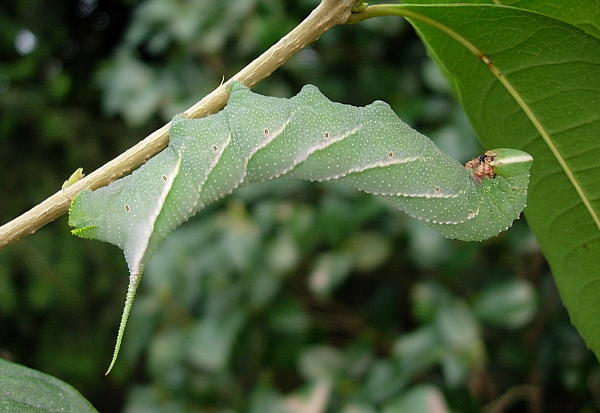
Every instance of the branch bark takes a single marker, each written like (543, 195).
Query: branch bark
(328, 13)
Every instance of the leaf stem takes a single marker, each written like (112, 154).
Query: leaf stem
(327, 14)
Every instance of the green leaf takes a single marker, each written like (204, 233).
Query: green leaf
(511, 304)
(358, 408)
(422, 399)
(459, 332)
(321, 363)
(585, 14)
(314, 398)
(29, 391)
(533, 82)
(417, 351)
(330, 270)
(211, 340)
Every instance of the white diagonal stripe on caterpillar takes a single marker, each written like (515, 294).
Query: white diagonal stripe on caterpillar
(313, 149)
(372, 165)
(214, 161)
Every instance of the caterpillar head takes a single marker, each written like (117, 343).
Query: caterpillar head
(500, 162)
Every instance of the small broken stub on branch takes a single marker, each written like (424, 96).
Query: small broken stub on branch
(481, 167)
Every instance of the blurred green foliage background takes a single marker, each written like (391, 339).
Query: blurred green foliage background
(287, 296)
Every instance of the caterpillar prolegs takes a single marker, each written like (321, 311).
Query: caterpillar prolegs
(257, 138)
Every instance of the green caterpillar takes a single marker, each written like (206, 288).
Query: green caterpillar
(257, 138)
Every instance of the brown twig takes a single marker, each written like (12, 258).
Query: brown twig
(328, 14)
(513, 395)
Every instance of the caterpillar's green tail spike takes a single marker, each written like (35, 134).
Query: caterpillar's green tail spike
(134, 281)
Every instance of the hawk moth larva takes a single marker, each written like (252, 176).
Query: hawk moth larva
(257, 138)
